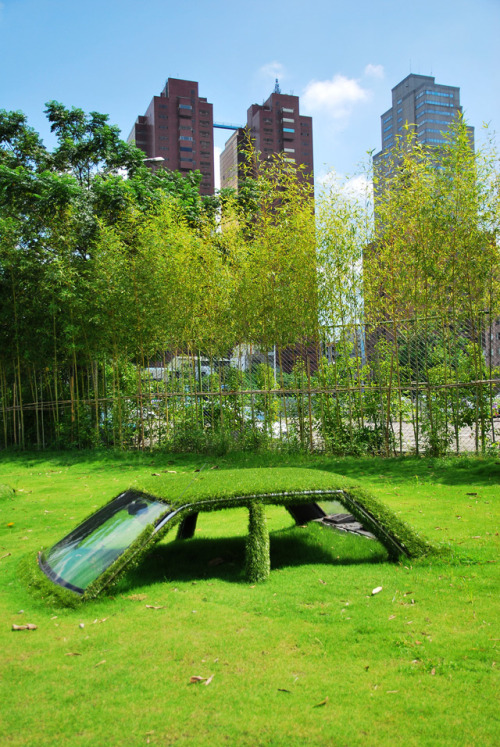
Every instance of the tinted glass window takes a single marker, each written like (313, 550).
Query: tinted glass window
(84, 554)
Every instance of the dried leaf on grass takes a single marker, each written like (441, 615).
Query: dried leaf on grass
(72, 653)
(6, 555)
(99, 663)
(323, 703)
(152, 607)
(209, 680)
(283, 690)
(29, 626)
(376, 590)
(196, 678)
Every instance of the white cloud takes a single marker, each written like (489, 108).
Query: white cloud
(273, 70)
(337, 96)
(217, 152)
(374, 71)
(357, 187)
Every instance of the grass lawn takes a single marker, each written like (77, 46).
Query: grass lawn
(309, 657)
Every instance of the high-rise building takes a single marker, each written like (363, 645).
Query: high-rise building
(274, 127)
(232, 159)
(429, 108)
(178, 128)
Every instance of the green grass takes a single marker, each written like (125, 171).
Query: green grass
(415, 664)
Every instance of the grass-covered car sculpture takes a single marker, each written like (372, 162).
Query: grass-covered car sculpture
(118, 535)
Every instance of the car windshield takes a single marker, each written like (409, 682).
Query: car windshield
(84, 554)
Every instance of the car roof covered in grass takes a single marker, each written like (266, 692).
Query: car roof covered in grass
(118, 535)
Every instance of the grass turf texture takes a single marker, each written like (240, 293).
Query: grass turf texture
(414, 664)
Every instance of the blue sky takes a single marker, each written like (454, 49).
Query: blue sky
(342, 58)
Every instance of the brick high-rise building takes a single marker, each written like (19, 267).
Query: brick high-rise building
(178, 127)
(275, 127)
(428, 107)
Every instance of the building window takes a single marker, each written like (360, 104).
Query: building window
(288, 129)
(185, 106)
(185, 137)
(443, 94)
(434, 103)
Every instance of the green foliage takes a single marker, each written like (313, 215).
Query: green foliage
(437, 219)
(105, 275)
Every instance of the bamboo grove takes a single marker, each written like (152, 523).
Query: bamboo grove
(135, 314)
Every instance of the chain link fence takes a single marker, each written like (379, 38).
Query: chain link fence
(415, 386)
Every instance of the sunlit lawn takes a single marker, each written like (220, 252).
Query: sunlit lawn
(309, 657)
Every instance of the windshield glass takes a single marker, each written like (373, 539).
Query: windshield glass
(85, 553)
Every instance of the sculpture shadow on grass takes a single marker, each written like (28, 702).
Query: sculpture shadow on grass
(224, 559)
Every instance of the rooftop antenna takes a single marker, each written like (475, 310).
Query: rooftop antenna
(277, 88)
